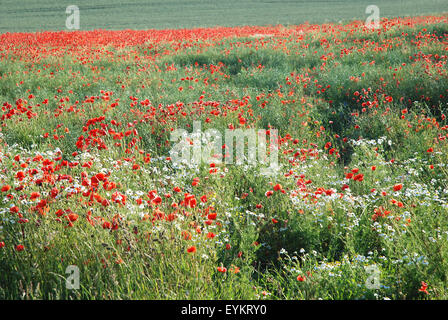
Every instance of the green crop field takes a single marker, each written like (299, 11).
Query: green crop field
(31, 15)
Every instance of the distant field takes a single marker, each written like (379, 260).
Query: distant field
(32, 15)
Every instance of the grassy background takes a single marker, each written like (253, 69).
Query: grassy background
(273, 81)
(32, 15)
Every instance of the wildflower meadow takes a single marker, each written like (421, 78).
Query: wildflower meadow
(304, 161)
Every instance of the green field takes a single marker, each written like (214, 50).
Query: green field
(31, 15)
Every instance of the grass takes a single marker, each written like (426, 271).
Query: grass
(85, 177)
(31, 16)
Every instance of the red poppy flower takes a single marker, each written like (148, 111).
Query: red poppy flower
(72, 217)
(222, 269)
(212, 216)
(278, 187)
(210, 235)
(14, 209)
(34, 195)
(191, 249)
(54, 192)
(424, 288)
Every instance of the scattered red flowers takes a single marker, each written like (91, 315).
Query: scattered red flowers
(118, 191)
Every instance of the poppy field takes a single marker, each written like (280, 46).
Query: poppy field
(357, 209)
(32, 15)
